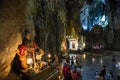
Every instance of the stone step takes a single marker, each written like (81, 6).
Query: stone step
(54, 76)
(46, 74)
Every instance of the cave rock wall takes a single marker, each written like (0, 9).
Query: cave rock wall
(15, 17)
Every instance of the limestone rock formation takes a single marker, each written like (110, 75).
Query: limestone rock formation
(15, 17)
(55, 19)
(49, 21)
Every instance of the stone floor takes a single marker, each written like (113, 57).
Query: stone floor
(92, 62)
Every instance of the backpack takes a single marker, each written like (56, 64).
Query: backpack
(75, 75)
(66, 70)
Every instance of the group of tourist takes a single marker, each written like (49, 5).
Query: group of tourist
(71, 71)
(104, 74)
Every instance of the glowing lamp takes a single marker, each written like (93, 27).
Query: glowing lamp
(29, 60)
(84, 56)
(84, 27)
(101, 60)
(93, 60)
(103, 18)
(49, 55)
(83, 45)
(59, 77)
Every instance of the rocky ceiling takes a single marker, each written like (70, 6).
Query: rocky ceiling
(105, 14)
(100, 12)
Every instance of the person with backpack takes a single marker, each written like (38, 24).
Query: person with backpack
(67, 71)
(75, 74)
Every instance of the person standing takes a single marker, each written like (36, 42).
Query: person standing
(103, 72)
(113, 61)
(77, 59)
(67, 71)
(75, 74)
(72, 61)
